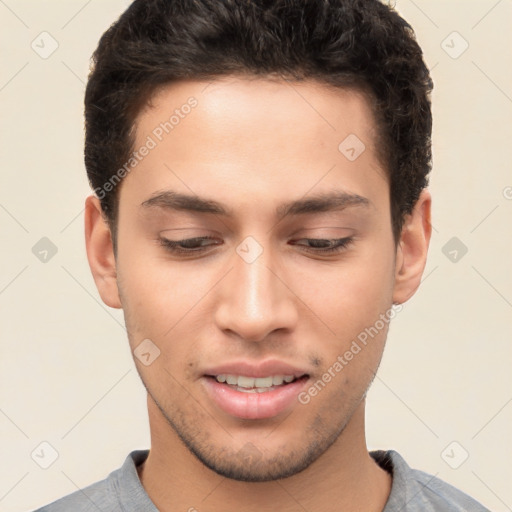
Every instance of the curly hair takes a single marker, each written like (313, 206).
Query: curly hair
(361, 44)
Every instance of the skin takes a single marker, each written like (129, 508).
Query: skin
(253, 145)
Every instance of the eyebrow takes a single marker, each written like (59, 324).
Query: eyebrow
(327, 201)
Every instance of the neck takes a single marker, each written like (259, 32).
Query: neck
(345, 478)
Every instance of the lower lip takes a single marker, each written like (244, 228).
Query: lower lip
(254, 406)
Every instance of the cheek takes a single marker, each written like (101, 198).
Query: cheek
(162, 301)
(346, 295)
(350, 299)
(155, 288)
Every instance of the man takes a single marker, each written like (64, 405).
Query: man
(260, 172)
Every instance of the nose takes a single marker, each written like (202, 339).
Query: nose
(254, 300)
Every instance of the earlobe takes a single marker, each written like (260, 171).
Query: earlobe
(100, 253)
(412, 248)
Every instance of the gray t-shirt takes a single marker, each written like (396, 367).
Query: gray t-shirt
(411, 491)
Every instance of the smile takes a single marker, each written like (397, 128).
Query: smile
(254, 397)
(254, 384)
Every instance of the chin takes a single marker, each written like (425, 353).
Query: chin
(254, 469)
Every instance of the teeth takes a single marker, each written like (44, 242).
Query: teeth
(254, 383)
(263, 382)
(231, 379)
(277, 380)
(245, 382)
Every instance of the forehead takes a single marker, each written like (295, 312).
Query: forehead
(235, 137)
(237, 102)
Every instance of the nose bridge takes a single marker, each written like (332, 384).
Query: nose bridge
(255, 286)
(254, 302)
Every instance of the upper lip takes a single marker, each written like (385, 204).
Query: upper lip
(255, 369)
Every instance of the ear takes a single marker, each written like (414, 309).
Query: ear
(100, 253)
(411, 254)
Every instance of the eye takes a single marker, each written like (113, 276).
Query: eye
(201, 244)
(324, 245)
(189, 245)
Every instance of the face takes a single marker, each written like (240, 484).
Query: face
(253, 251)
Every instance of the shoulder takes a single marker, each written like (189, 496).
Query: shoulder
(413, 490)
(111, 494)
(97, 496)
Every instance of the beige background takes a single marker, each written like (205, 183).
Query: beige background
(66, 374)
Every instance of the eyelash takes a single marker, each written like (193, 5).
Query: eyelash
(340, 244)
(173, 246)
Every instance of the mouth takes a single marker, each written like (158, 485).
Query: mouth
(257, 395)
(245, 384)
